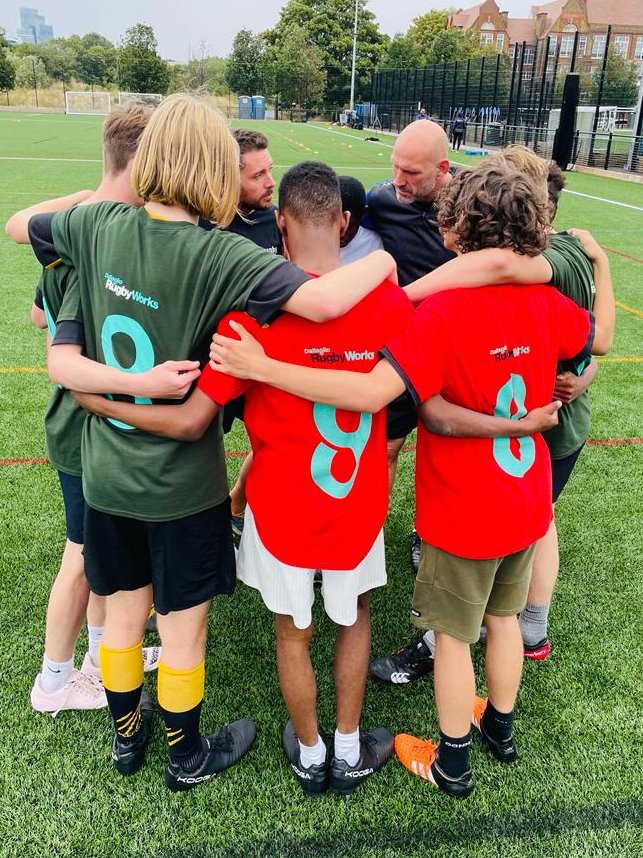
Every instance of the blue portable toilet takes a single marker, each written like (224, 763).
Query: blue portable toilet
(245, 107)
(258, 107)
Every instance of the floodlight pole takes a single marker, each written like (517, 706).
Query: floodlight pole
(352, 104)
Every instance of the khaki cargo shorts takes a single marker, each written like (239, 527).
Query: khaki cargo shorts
(452, 594)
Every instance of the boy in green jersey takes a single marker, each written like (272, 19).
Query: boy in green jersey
(59, 686)
(152, 286)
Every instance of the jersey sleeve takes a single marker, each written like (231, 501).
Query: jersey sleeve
(419, 354)
(576, 329)
(37, 298)
(64, 229)
(274, 290)
(570, 272)
(42, 241)
(69, 320)
(223, 388)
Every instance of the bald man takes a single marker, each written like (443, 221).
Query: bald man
(403, 211)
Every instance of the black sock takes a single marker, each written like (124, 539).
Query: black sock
(497, 725)
(183, 736)
(126, 712)
(453, 754)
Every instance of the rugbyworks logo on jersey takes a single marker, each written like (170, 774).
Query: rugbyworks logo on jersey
(116, 285)
(324, 355)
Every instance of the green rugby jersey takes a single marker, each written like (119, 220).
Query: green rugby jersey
(64, 419)
(574, 277)
(150, 290)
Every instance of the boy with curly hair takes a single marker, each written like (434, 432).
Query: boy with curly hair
(482, 503)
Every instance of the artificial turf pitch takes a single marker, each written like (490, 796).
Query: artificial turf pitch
(576, 789)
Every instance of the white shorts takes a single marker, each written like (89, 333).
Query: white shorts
(289, 589)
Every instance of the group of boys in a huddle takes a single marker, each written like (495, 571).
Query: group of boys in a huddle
(136, 277)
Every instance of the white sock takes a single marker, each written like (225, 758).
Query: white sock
(312, 755)
(429, 640)
(94, 634)
(54, 674)
(347, 747)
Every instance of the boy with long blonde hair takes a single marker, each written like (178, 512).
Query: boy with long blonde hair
(152, 286)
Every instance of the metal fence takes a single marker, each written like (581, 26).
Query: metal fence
(518, 96)
(602, 150)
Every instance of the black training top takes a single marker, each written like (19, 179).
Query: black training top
(409, 231)
(260, 227)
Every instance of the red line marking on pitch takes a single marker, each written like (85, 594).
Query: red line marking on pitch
(620, 253)
(38, 460)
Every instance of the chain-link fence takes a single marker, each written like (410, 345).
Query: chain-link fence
(518, 96)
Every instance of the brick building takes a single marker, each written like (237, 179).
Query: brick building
(560, 21)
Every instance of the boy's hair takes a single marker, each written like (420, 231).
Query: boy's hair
(524, 160)
(310, 193)
(122, 131)
(187, 157)
(493, 206)
(555, 185)
(249, 141)
(353, 197)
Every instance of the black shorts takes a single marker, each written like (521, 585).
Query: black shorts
(401, 417)
(233, 409)
(561, 471)
(74, 501)
(186, 560)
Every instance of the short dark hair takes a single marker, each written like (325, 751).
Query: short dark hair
(121, 133)
(353, 196)
(555, 185)
(494, 206)
(310, 193)
(249, 141)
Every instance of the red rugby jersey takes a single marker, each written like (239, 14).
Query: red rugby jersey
(318, 486)
(493, 350)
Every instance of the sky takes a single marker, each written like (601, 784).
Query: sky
(181, 26)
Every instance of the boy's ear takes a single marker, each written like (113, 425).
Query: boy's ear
(345, 221)
(281, 222)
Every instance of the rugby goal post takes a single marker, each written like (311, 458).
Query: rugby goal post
(98, 103)
(151, 98)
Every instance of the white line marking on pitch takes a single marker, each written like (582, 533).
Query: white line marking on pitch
(63, 160)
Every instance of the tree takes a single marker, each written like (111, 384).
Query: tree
(620, 86)
(204, 74)
(402, 53)
(245, 70)
(452, 45)
(96, 66)
(140, 68)
(7, 68)
(424, 29)
(296, 66)
(95, 40)
(59, 57)
(328, 25)
(30, 72)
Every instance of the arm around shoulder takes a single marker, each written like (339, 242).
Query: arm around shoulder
(17, 225)
(333, 294)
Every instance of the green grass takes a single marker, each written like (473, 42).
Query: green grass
(576, 790)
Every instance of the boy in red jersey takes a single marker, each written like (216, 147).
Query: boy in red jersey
(481, 503)
(328, 463)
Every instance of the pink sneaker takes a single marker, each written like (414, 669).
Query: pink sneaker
(89, 668)
(79, 692)
(151, 657)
